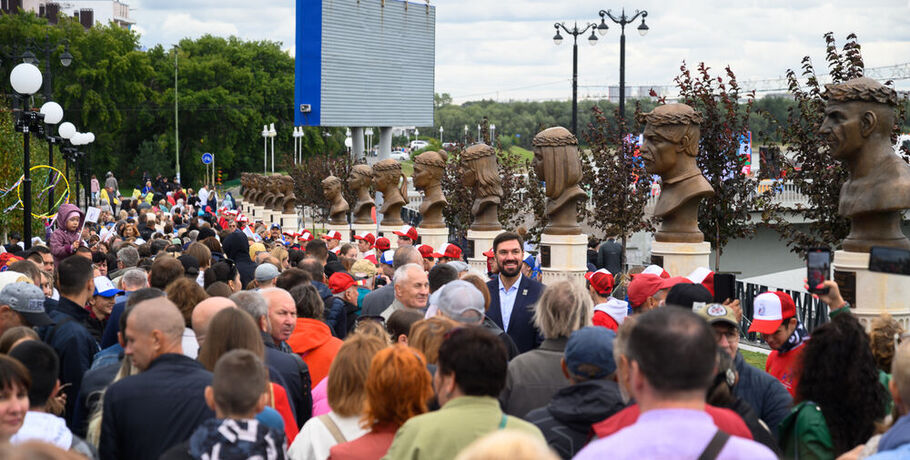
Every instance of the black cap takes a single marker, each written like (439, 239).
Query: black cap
(190, 264)
(686, 294)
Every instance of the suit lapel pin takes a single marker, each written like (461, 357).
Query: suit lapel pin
(524, 292)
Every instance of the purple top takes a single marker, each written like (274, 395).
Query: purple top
(670, 434)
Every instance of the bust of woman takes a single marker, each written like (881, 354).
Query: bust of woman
(480, 172)
(359, 181)
(428, 169)
(389, 180)
(338, 212)
(556, 162)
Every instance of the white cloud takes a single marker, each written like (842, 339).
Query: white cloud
(503, 49)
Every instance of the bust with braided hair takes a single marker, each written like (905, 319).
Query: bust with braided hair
(331, 189)
(480, 172)
(669, 149)
(389, 180)
(859, 117)
(359, 181)
(556, 162)
(428, 169)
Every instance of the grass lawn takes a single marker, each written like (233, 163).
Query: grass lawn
(407, 168)
(525, 154)
(755, 359)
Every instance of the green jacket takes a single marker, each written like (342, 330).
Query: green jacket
(443, 434)
(804, 434)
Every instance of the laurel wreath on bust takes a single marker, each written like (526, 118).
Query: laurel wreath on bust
(665, 119)
(861, 90)
(477, 151)
(556, 138)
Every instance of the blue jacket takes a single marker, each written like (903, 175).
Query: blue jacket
(895, 443)
(94, 382)
(147, 413)
(75, 347)
(334, 311)
(113, 322)
(521, 324)
(767, 396)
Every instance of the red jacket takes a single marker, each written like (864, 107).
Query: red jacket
(726, 420)
(786, 367)
(312, 340)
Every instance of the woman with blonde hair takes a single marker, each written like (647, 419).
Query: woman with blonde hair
(397, 388)
(534, 376)
(427, 335)
(347, 398)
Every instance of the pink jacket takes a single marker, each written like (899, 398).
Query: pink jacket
(321, 398)
(61, 241)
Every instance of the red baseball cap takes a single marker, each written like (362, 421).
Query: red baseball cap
(667, 283)
(489, 254)
(427, 251)
(408, 232)
(340, 282)
(305, 236)
(601, 280)
(642, 286)
(332, 235)
(770, 311)
(703, 276)
(449, 250)
(368, 237)
(656, 270)
(382, 243)
(372, 259)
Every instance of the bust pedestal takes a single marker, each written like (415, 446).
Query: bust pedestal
(563, 257)
(344, 229)
(363, 228)
(481, 241)
(289, 222)
(871, 293)
(388, 231)
(435, 237)
(679, 259)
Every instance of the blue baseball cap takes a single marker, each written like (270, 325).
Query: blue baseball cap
(387, 257)
(589, 352)
(105, 287)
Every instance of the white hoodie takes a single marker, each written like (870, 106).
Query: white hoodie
(44, 427)
(617, 309)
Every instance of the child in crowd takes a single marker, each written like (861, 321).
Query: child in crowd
(237, 394)
(66, 238)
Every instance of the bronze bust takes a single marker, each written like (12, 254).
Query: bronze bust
(480, 172)
(670, 146)
(429, 167)
(389, 180)
(331, 189)
(859, 117)
(359, 182)
(287, 201)
(556, 162)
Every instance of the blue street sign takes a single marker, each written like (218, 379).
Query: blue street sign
(207, 158)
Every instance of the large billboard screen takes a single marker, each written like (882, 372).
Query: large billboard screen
(364, 63)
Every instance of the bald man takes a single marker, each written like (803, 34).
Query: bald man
(282, 316)
(147, 413)
(204, 312)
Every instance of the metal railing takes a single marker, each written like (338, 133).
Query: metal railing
(809, 310)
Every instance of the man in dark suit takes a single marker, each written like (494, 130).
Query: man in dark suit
(513, 296)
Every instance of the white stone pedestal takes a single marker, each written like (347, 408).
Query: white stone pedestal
(256, 212)
(436, 237)
(871, 293)
(289, 222)
(345, 231)
(388, 231)
(563, 257)
(267, 216)
(363, 228)
(679, 259)
(482, 241)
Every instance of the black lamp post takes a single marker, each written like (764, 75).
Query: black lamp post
(575, 32)
(65, 60)
(26, 80)
(622, 20)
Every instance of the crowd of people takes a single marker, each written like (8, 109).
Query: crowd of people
(191, 332)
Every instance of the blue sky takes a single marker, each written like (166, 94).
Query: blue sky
(504, 49)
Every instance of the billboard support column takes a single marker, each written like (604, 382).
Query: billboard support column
(357, 150)
(385, 143)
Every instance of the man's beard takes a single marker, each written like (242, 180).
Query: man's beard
(510, 272)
